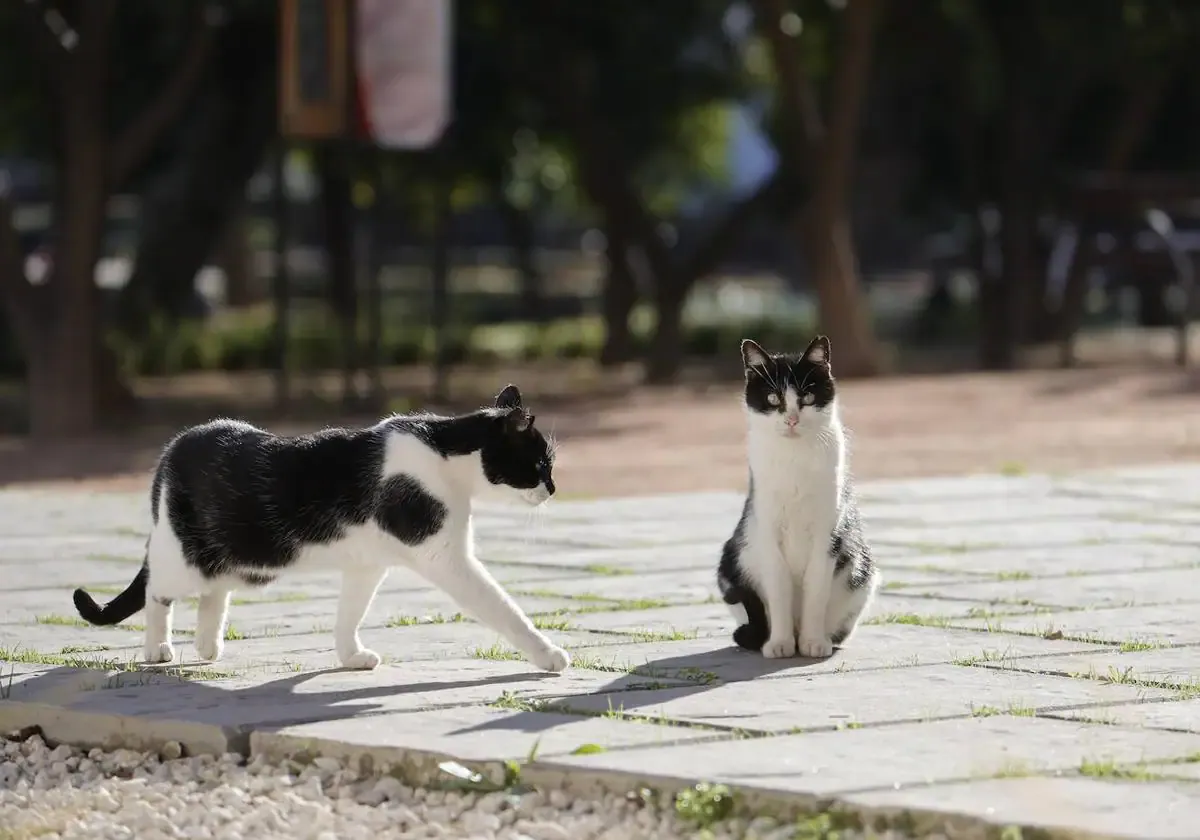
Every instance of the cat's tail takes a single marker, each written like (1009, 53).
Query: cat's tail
(120, 607)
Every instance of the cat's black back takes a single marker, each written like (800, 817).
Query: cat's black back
(243, 501)
(240, 495)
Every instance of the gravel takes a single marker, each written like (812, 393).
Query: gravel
(64, 792)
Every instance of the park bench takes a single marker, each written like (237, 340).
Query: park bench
(1132, 226)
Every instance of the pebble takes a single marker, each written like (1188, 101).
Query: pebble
(62, 793)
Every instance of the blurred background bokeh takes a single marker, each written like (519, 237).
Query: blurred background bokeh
(322, 209)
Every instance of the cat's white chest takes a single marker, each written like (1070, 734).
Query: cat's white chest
(793, 488)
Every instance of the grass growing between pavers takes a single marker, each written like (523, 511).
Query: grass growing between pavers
(662, 636)
(691, 675)
(435, 618)
(1012, 709)
(496, 653)
(606, 570)
(562, 706)
(78, 659)
(911, 619)
(55, 620)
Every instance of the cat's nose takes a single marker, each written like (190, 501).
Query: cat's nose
(550, 486)
(792, 419)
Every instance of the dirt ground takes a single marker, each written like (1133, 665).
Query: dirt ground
(634, 441)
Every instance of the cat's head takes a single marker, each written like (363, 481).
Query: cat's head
(517, 455)
(786, 392)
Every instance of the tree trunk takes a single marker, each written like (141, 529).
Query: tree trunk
(65, 399)
(843, 309)
(337, 212)
(187, 210)
(522, 237)
(664, 356)
(618, 298)
(827, 154)
(235, 256)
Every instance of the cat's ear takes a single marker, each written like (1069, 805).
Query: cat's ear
(510, 397)
(753, 355)
(818, 351)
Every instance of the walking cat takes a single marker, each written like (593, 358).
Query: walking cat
(797, 564)
(236, 506)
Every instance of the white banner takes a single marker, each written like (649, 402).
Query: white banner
(404, 84)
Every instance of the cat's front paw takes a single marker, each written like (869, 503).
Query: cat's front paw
(157, 653)
(780, 648)
(363, 660)
(553, 659)
(209, 650)
(816, 648)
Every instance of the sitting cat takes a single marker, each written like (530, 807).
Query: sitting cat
(797, 563)
(234, 505)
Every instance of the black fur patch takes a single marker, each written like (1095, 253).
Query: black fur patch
(407, 511)
(736, 589)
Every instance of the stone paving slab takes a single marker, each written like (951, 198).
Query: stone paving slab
(1178, 716)
(1177, 667)
(823, 764)
(1120, 589)
(1073, 806)
(475, 734)
(1033, 657)
(867, 697)
(1059, 561)
(1176, 624)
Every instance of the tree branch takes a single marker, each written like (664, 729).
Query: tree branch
(135, 142)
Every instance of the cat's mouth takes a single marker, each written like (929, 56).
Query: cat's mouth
(535, 496)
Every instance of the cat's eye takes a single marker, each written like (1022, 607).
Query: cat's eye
(809, 399)
(773, 399)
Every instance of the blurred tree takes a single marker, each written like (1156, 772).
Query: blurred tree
(1034, 91)
(210, 155)
(74, 47)
(819, 145)
(629, 80)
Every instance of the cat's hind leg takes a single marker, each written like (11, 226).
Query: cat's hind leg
(751, 616)
(211, 616)
(461, 576)
(170, 578)
(359, 585)
(848, 602)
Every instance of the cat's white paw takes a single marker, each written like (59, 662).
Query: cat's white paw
(209, 650)
(780, 648)
(363, 660)
(156, 653)
(552, 659)
(816, 648)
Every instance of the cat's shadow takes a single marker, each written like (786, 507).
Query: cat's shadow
(658, 681)
(265, 706)
(182, 699)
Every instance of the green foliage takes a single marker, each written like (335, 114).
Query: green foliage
(705, 804)
(243, 341)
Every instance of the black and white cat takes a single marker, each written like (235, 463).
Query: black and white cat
(236, 506)
(797, 564)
